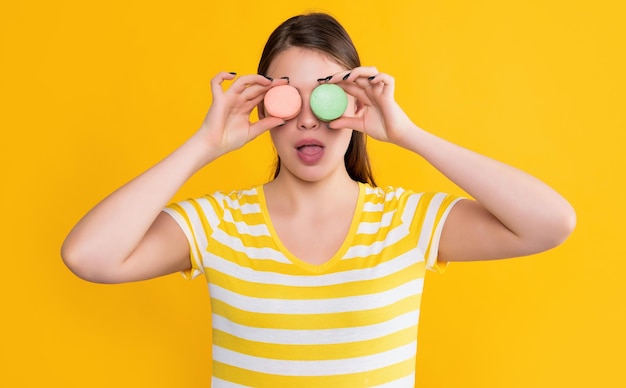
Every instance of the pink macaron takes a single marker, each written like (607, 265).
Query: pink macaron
(282, 101)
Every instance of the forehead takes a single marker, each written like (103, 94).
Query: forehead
(302, 63)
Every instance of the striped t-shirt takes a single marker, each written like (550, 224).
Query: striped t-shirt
(279, 322)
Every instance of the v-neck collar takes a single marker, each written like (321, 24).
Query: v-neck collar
(347, 241)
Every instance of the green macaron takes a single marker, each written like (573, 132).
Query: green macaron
(328, 102)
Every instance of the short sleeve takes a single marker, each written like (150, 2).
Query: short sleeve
(197, 218)
(437, 207)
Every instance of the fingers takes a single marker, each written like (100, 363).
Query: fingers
(383, 83)
(244, 93)
(355, 123)
(361, 74)
(265, 124)
(253, 94)
(367, 79)
(374, 92)
(216, 82)
(240, 84)
(248, 85)
(246, 81)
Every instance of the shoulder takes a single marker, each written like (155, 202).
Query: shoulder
(384, 194)
(396, 197)
(388, 195)
(217, 202)
(229, 199)
(236, 198)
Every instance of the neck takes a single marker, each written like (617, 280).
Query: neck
(296, 194)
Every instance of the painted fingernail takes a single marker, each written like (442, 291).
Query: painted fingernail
(371, 78)
(232, 72)
(325, 79)
(287, 78)
(345, 77)
(269, 78)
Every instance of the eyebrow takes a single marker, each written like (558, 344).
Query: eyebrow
(295, 87)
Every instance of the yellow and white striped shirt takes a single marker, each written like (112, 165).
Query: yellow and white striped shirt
(279, 321)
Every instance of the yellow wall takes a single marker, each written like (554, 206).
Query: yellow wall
(93, 93)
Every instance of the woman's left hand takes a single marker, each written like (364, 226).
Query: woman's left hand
(377, 114)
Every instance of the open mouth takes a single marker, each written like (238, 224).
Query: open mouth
(310, 149)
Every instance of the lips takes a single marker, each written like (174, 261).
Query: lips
(309, 142)
(310, 151)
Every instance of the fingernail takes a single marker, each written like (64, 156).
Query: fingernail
(325, 79)
(233, 72)
(345, 77)
(287, 78)
(269, 78)
(371, 78)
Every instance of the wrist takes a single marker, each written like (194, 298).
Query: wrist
(411, 138)
(198, 150)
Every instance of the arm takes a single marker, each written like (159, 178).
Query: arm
(126, 237)
(514, 214)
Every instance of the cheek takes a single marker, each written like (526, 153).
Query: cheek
(280, 139)
(343, 136)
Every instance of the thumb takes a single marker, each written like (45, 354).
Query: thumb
(265, 124)
(355, 123)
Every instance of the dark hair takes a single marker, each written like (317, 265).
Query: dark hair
(322, 32)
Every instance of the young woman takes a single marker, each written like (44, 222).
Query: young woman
(315, 277)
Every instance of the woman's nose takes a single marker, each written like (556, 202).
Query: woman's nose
(306, 118)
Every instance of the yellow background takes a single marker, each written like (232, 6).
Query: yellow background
(93, 93)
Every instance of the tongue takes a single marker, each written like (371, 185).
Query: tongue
(310, 149)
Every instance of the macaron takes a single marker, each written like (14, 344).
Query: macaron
(282, 101)
(328, 102)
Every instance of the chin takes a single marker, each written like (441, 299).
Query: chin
(311, 174)
(311, 177)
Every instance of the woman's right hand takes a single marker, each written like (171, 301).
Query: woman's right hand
(127, 237)
(227, 125)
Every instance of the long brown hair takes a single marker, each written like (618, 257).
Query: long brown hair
(322, 32)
